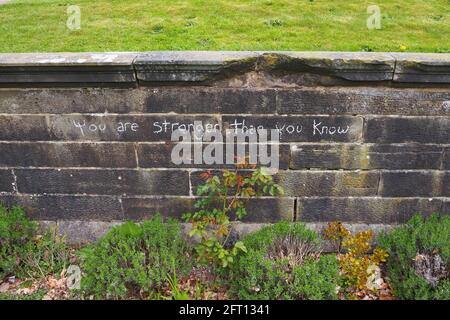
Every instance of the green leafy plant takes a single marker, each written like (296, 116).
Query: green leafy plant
(419, 258)
(358, 260)
(220, 199)
(284, 262)
(50, 254)
(134, 260)
(176, 293)
(26, 253)
(38, 295)
(16, 236)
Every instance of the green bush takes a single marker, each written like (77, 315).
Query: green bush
(25, 253)
(283, 262)
(16, 233)
(419, 239)
(134, 259)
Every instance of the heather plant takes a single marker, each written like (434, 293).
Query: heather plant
(24, 252)
(16, 236)
(134, 260)
(419, 258)
(284, 261)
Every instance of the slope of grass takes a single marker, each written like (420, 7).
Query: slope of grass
(138, 25)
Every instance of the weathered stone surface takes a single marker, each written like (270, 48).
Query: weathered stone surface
(67, 207)
(301, 128)
(422, 67)
(243, 229)
(152, 155)
(212, 66)
(80, 232)
(123, 128)
(414, 183)
(445, 179)
(6, 181)
(269, 210)
(415, 156)
(7, 199)
(365, 209)
(446, 159)
(23, 128)
(328, 183)
(262, 210)
(445, 207)
(363, 100)
(103, 182)
(211, 100)
(360, 66)
(191, 66)
(67, 154)
(71, 100)
(409, 129)
(317, 100)
(159, 156)
(34, 69)
(366, 156)
(140, 208)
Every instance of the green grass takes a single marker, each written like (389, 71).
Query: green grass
(38, 295)
(139, 25)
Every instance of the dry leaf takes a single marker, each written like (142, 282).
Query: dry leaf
(4, 287)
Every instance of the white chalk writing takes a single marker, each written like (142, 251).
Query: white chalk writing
(321, 128)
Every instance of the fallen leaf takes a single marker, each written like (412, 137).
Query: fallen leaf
(4, 287)
(25, 291)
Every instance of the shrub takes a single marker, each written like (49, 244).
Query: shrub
(50, 254)
(284, 262)
(16, 234)
(25, 253)
(419, 258)
(222, 197)
(134, 259)
(357, 264)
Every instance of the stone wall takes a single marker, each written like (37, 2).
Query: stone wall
(85, 137)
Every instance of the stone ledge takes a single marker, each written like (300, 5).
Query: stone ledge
(190, 66)
(422, 68)
(169, 66)
(174, 67)
(67, 69)
(351, 66)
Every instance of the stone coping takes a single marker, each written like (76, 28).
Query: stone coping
(131, 69)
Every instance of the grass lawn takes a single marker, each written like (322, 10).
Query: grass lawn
(139, 25)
